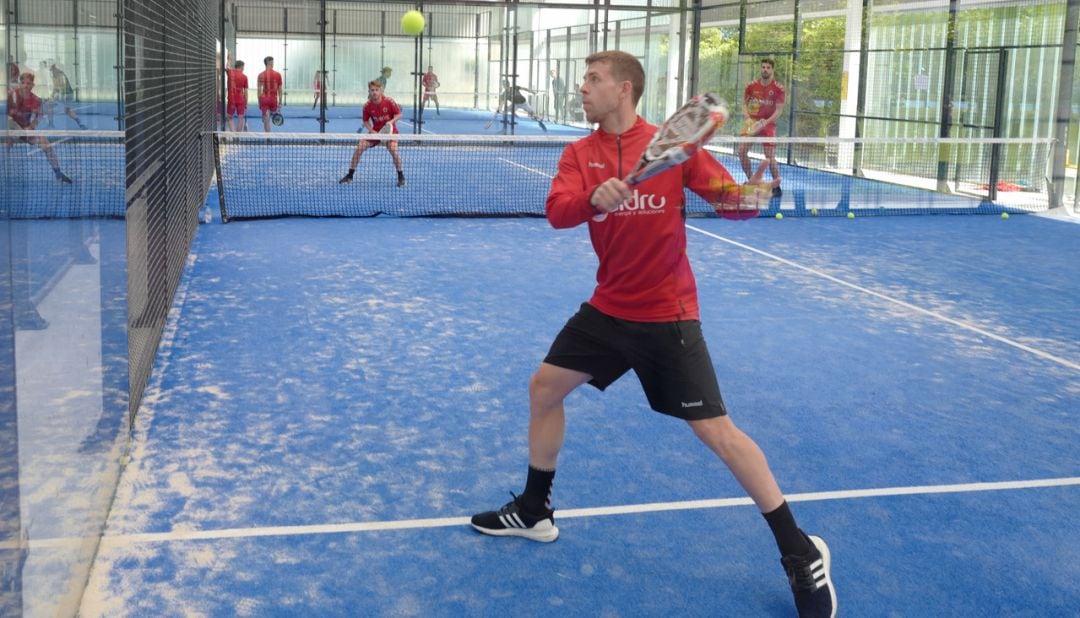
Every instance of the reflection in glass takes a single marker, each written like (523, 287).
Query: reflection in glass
(63, 283)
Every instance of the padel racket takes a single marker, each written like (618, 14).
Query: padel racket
(752, 128)
(387, 128)
(754, 196)
(277, 119)
(681, 136)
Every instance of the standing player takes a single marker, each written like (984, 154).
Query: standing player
(384, 76)
(236, 104)
(763, 102)
(24, 114)
(62, 94)
(320, 88)
(644, 316)
(558, 95)
(270, 92)
(431, 84)
(379, 112)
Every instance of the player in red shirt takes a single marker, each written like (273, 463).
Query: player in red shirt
(379, 112)
(320, 88)
(24, 114)
(644, 316)
(763, 102)
(431, 83)
(270, 91)
(237, 100)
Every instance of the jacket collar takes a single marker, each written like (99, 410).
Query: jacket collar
(635, 129)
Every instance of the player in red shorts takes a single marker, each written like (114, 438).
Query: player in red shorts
(320, 88)
(237, 101)
(270, 91)
(431, 83)
(379, 112)
(763, 102)
(24, 114)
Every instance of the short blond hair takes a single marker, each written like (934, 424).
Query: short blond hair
(624, 67)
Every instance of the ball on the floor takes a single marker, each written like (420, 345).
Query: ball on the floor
(1004, 215)
(779, 215)
(412, 23)
(851, 215)
(814, 212)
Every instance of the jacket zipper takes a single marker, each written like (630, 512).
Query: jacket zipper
(618, 147)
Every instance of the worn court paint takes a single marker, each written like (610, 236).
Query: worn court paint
(334, 371)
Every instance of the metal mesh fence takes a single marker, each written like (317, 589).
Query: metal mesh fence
(169, 79)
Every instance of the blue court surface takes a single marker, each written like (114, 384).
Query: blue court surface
(334, 397)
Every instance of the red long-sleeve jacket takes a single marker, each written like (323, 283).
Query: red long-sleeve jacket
(644, 273)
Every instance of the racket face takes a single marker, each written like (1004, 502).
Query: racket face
(751, 128)
(277, 119)
(681, 136)
(387, 128)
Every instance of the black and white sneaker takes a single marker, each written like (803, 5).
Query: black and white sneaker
(513, 520)
(810, 580)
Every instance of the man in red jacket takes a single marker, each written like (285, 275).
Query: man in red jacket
(643, 316)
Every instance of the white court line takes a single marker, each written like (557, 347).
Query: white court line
(126, 540)
(412, 124)
(906, 305)
(526, 167)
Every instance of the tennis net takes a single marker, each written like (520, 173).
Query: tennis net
(93, 162)
(272, 175)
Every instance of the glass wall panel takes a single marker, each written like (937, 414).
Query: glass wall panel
(63, 320)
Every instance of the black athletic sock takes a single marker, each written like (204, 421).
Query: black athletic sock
(789, 538)
(537, 496)
(401, 173)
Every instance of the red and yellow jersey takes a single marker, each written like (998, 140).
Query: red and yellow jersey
(761, 100)
(380, 113)
(23, 107)
(644, 273)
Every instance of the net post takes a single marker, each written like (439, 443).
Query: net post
(999, 121)
(217, 171)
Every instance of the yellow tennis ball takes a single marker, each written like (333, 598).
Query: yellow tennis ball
(851, 215)
(412, 23)
(814, 212)
(1004, 215)
(779, 215)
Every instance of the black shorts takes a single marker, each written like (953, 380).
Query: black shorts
(670, 359)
